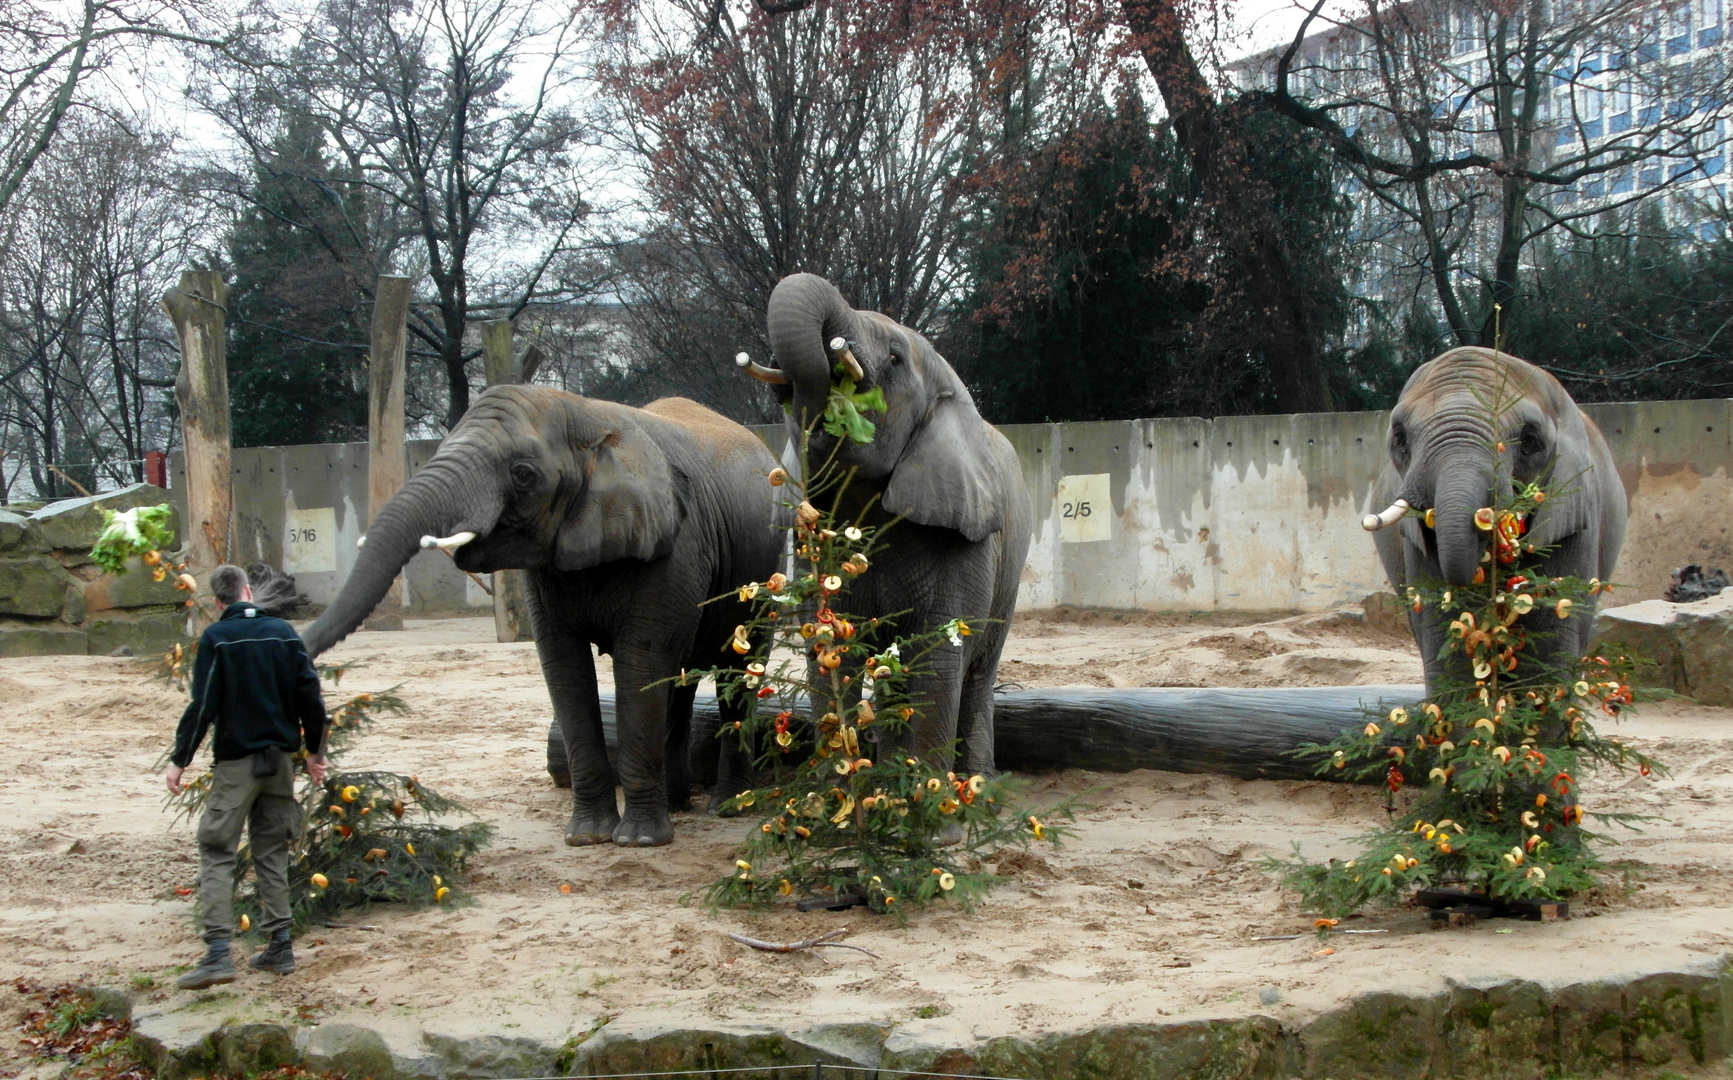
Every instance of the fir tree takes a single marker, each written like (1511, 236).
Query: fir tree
(297, 357)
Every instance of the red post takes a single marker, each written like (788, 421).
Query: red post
(156, 468)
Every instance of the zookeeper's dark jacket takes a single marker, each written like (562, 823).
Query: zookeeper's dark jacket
(252, 678)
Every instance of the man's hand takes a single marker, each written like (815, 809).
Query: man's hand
(173, 778)
(316, 767)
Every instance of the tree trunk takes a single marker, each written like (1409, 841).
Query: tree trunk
(1231, 732)
(197, 306)
(1246, 220)
(385, 448)
(511, 610)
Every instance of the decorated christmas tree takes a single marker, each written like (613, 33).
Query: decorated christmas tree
(846, 808)
(366, 837)
(1486, 778)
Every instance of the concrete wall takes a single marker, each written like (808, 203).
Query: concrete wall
(1246, 513)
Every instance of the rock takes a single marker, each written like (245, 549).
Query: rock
(19, 535)
(42, 639)
(1253, 1046)
(1378, 1035)
(123, 651)
(33, 586)
(73, 611)
(250, 1049)
(175, 1044)
(349, 1049)
(1269, 995)
(1691, 644)
(145, 631)
(133, 589)
(74, 524)
(648, 1046)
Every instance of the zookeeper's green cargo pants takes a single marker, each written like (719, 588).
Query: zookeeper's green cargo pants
(266, 806)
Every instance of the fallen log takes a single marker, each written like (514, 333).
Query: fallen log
(1245, 733)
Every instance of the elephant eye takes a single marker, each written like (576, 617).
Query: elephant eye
(1532, 443)
(1398, 440)
(523, 475)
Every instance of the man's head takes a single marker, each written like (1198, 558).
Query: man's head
(229, 584)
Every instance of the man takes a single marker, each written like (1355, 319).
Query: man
(252, 678)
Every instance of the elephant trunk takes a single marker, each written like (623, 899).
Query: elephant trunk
(1463, 487)
(440, 499)
(805, 313)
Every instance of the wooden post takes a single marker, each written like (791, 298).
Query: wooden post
(197, 306)
(511, 616)
(385, 450)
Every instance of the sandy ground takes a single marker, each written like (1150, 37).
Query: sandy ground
(1150, 912)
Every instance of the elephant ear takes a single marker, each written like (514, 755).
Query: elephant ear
(1575, 483)
(630, 507)
(945, 476)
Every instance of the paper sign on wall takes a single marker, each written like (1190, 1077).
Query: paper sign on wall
(310, 546)
(1085, 508)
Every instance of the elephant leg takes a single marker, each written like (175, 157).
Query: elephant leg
(734, 772)
(641, 699)
(678, 767)
(571, 679)
(975, 707)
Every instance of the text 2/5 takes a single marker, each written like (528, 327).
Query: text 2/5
(1075, 510)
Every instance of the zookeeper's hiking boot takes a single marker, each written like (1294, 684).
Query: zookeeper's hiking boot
(278, 956)
(216, 967)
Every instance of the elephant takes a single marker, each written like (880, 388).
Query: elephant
(949, 481)
(1447, 452)
(626, 521)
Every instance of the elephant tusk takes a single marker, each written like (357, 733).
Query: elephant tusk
(839, 346)
(759, 371)
(361, 541)
(1374, 522)
(448, 544)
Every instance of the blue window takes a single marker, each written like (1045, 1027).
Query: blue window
(1565, 136)
(1706, 38)
(1616, 124)
(1621, 183)
(1591, 64)
(1678, 108)
(1592, 188)
(1710, 231)
(1648, 114)
(1647, 51)
(1652, 176)
(1713, 166)
(1681, 170)
(1679, 46)
(1591, 130)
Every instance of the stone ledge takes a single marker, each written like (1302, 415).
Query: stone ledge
(1491, 1029)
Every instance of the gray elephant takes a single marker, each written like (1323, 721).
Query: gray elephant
(1446, 454)
(951, 477)
(626, 520)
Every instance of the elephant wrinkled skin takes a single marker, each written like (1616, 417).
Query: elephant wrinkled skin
(1445, 455)
(626, 521)
(950, 477)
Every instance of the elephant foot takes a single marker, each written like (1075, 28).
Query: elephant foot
(591, 827)
(722, 805)
(640, 829)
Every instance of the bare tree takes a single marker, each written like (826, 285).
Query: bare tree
(451, 153)
(1475, 128)
(85, 356)
(838, 139)
(49, 49)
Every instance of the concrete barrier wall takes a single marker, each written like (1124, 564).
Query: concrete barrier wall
(1245, 513)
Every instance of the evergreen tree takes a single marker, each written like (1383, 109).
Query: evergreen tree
(297, 356)
(1099, 295)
